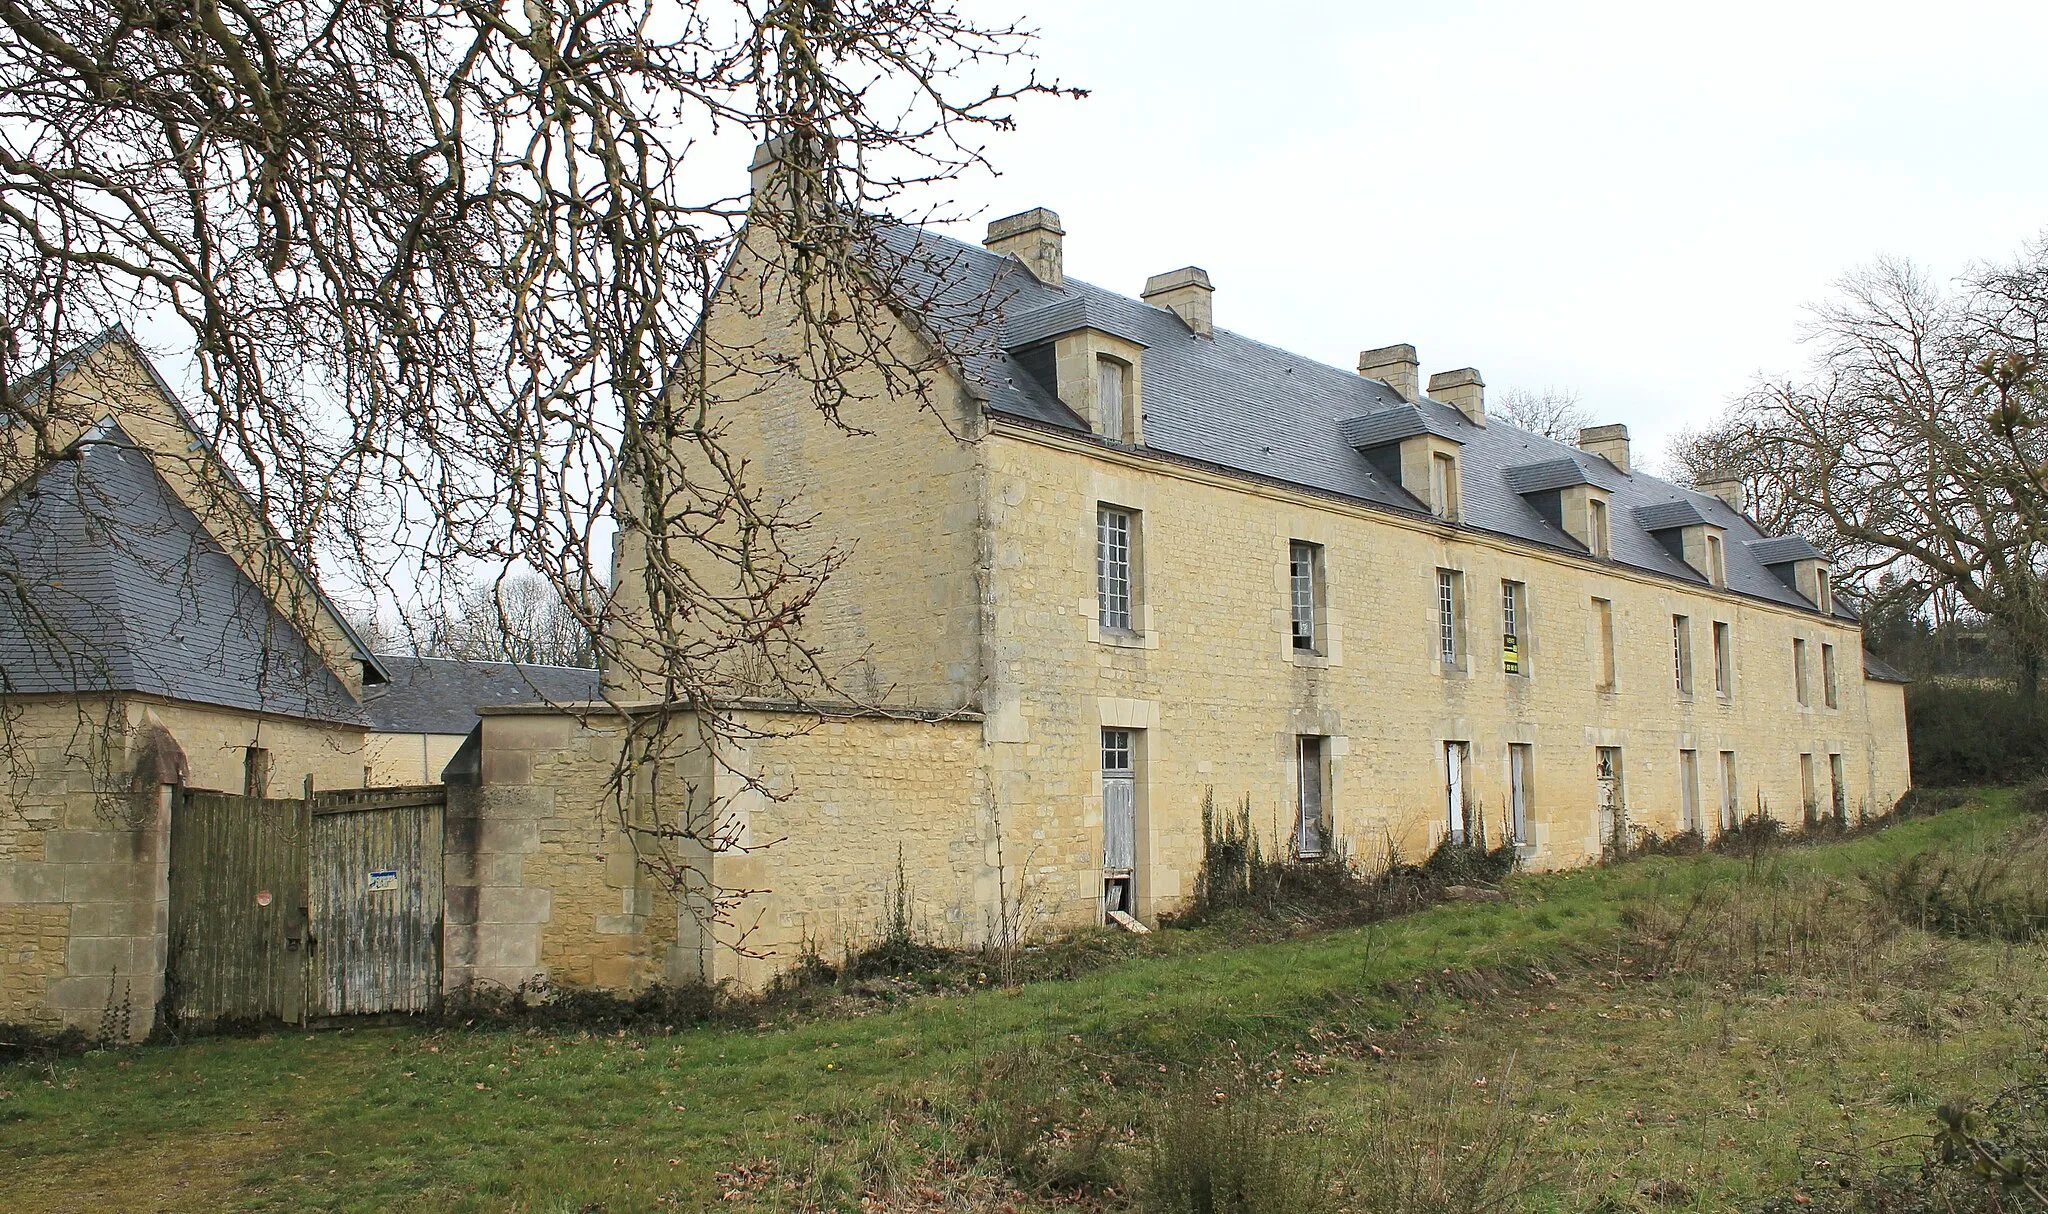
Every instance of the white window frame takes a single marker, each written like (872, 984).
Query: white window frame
(1521, 768)
(1119, 800)
(1304, 589)
(1449, 642)
(1514, 627)
(1689, 792)
(1443, 485)
(1115, 586)
(1731, 802)
(1724, 659)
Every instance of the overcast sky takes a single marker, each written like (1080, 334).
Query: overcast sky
(1631, 201)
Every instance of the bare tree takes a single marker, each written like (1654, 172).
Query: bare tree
(1919, 441)
(517, 618)
(440, 265)
(1554, 413)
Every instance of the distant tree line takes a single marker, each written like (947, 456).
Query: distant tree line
(517, 618)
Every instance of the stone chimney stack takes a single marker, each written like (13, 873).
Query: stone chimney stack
(1185, 293)
(769, 163)
(1608, 442)
(1725, 485)
(1033, 238)
(1396, 367)
(1462, 388)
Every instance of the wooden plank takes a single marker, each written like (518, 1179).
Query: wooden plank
(377, 907)
(237, 908)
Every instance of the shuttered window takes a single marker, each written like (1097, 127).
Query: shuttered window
(1109, 392)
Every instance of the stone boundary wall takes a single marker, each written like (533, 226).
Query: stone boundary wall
(545, 883)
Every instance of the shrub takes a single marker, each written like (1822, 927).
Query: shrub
(536, 1003)
(1983, 898)
(1925, 802)
(1992, 1160)
(1753, 836)
(1240, 880)
(1965, 734)
(21, 1043)
(1225, 1152)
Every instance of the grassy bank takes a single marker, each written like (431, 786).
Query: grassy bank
(1660, 1044)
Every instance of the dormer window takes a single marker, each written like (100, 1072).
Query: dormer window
(1824, 591)
(1717, 561)
(1414, 448)
(1109, 396)
(1596, 527)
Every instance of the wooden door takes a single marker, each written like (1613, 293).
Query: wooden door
(1454, 790)
(1310, 810)
(377, 900)
(239, 910)
(1688, 790)
(1518, 791)
(1613, 807)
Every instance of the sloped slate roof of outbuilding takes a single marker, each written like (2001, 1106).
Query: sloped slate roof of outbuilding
(1239, 404)
(120, 588)
(441, 695)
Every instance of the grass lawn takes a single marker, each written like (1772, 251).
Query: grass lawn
(1788, 1015)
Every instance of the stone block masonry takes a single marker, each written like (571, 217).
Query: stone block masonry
(817, 812)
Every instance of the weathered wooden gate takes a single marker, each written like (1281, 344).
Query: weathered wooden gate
(377, 899)
(290, 909)
(239, 912)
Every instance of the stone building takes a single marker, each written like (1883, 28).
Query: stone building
(156, 641)
(1114, 564)
(1123, 561)
(155, 637)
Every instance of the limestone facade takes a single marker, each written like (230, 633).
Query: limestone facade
(969, 585)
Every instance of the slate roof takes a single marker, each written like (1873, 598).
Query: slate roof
(1383, 426)
(1551, 474)
(116, 586)
(1078, 312)
(1668, 516)
(1241, 405)
(1877, 668)
(1783, 550)
(441, 695)
(40, 381)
